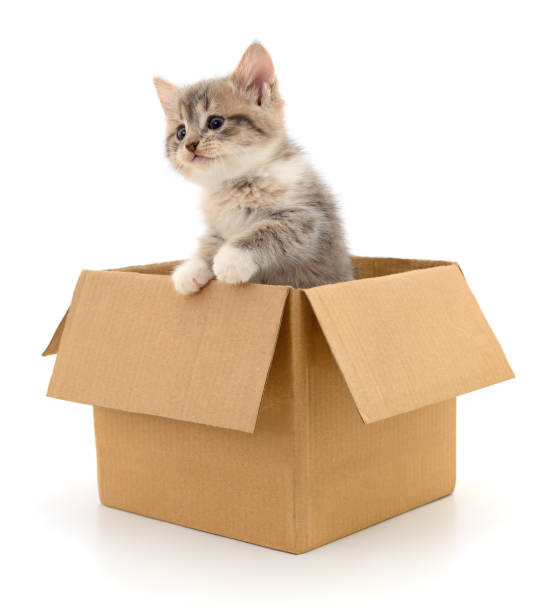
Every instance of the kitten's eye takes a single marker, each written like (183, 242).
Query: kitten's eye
(215, 123)
(180, 134)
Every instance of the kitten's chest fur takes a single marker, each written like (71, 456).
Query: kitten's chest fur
(237, 204)
(287, 219)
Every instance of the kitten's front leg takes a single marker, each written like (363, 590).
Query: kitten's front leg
(286, 237)
(234, 265)
(192, 275)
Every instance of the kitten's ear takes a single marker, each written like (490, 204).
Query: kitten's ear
(169, 96)
(255, 72)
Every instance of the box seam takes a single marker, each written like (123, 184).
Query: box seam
(301, 422)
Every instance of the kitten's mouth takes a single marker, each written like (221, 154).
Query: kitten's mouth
(200, 159)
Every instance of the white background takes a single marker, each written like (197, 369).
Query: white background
(431, 122)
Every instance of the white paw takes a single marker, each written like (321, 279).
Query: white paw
(233, 265)
(191, 276)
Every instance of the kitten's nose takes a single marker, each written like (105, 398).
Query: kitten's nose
(192, 146)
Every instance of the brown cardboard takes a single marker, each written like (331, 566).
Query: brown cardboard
(145, 353)
(408, 340)
(180, 383)
(158, 268)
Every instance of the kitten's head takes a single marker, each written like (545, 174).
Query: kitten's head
(222, 128)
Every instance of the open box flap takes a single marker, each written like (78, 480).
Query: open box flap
(155, 268)
(408, 340)
(132, 343)
(53, 346)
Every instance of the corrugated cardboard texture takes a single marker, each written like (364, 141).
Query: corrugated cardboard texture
(371, 267)
(130, 342)
(407, 334)
(157, 268)
(365, 267)
(311, 473)
(408, 340)
(403, 340)
(357, 474)
(227, 482)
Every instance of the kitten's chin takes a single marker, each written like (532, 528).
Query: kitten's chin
(209, 172)
(201, 160)
(203, 170)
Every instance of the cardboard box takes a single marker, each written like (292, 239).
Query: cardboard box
(288, 418)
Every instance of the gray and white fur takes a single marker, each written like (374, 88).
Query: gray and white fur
(270, 218)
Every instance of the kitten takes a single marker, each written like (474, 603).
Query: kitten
(270, 218)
